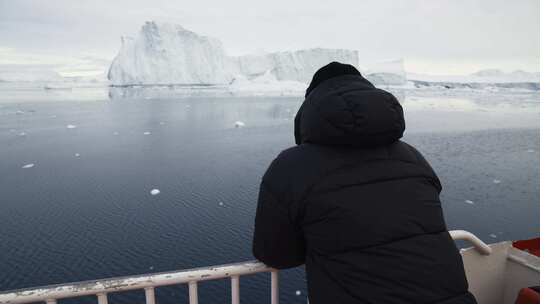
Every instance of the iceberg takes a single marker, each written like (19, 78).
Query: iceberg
(390, 72)
(293, 65)
(489, 79)
(266, 84)
(170, 54)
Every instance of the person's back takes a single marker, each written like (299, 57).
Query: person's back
(354, 203)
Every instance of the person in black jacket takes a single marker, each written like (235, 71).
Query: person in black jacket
(358, 206)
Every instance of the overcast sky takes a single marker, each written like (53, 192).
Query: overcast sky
(438, 37)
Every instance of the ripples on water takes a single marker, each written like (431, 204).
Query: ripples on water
(72, 218)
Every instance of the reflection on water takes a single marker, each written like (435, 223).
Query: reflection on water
(85, 211)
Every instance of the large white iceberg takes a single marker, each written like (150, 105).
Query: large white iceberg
(167, 53)
(293, 65)
(170, 54)
(389, 72)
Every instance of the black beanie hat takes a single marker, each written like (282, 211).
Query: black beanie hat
(333, 69)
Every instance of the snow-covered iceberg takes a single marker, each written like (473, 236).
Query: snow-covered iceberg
(293, 65)
(389, 72)
(170, 54)
(266, 84)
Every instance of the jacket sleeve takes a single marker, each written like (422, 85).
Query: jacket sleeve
(278, 241)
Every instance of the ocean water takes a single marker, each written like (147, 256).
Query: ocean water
(82, 208)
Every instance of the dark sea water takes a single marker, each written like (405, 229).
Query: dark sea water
(84, 210)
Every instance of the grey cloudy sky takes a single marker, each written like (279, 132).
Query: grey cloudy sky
(440, 37)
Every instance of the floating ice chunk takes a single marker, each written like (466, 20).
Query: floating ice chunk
(161, 123)
(493, 235)
(71, 126)
(53, 116)
(77, 155)
(151, 267)
(12, 130)
(469, 202)
(220, 203)
(496, 181)
(239, 124)
(28, 166)
(188, 106)
(147, 133)
(154, 191)
(530, 151)
(115, 133)
(22, 134)
(19, 112)
(298, 292)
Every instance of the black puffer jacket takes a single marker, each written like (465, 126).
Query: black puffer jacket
(359, 207)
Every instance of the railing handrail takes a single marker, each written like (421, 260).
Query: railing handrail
(148, 282)
(141, 281)
(478, 244)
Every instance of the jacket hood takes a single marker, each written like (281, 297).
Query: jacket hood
(348, 110)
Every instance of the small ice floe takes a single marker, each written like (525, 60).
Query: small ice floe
(239, 124)
(298, 292)
(53, 116)
(188, 106)
(493, 235)
(151, 267)
(71, 126)
(77, 155)
(496, 181)
(469, 202)
(12, 130)
(530, 151)
(161, 123)
(115, 133)
(28, 166)
(147, 133)
(154, 191)
(22, 134)
(19, 112)
(220, 203)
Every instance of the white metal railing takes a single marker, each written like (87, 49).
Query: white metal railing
(148, 282)
(100, 288)
(482, 247)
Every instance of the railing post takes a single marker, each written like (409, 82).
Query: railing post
(150, 295)
(102, 298)
(235, 290)
(482, 247)
(193, 297)
(274, 284)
